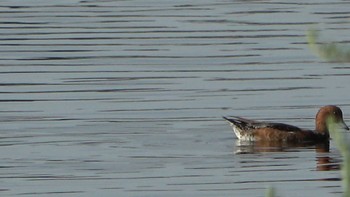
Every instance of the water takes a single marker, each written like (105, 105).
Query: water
(125, 98)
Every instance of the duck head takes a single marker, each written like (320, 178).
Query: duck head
(329, 119)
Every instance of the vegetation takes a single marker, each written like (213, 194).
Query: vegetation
(331, 52)
(270, 192)
(328, 51)
(335, 52)
(343, 147)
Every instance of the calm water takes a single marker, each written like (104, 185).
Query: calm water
(125, 98)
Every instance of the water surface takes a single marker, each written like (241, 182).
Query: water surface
(106, 98)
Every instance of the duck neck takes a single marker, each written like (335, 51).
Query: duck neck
(321, 128)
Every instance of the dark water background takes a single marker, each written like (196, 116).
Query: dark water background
(125, 98)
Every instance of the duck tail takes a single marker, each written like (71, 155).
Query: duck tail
(232, 120)
(228, 119)
(236, 121)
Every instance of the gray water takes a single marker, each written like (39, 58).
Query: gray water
(125, 98)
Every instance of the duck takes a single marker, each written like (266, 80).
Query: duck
(329, 118)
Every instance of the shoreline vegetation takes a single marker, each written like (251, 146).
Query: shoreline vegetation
(336, 53)
(329, 51)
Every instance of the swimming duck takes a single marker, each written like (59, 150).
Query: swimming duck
(328, 118)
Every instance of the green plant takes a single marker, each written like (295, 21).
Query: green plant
(328, 51)
(331, 52)
(343, 147)
(270, 192)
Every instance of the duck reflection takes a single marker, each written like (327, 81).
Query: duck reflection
(323, 160)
